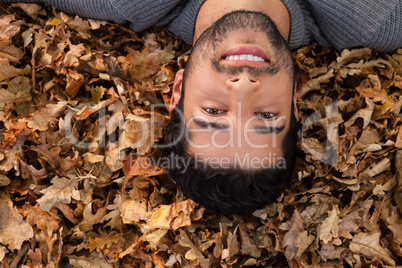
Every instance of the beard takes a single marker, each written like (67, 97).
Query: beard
(208, 44)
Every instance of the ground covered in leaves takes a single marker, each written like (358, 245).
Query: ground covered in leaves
(75, 98)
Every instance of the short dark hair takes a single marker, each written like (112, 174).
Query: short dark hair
(227, 190)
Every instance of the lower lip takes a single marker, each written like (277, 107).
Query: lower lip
(243, 50)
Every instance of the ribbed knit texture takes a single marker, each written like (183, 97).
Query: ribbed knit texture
(369, 23)
(376, 24)
(184, 24)
(146, 13)
(298, 27)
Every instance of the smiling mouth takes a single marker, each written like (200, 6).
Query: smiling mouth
(248, 57)
(245, 56)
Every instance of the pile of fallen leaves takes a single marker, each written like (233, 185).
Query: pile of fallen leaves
(76, 117)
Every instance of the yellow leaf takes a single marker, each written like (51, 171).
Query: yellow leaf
(54, 22)
(100, 243)
(161, 217)
(172, 216)
(93, 158)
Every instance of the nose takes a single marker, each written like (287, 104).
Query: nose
(243, 83)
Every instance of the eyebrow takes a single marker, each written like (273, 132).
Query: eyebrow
(257, 129)
(207, 124)
(269, 129)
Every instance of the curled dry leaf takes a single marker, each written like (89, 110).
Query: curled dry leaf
(42, 219)
(3, 251)
(369, 246)
(248, 247)
(175, 215)
(365, 114)
(377, 168)
(100, 243)
(9, 71)
(398, 142)
(95, 260)
(32, 10)
(4, 180)
(62, 190)
(193, 253)
(330, 226)
(16, 231)
(349, 55)
(354, 220)
(141, 132)
(330, 252)
(297, 239)
(8, 97)
(133, 211)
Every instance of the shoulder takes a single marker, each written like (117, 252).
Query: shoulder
(369, 23)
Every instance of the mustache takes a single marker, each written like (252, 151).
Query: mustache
(270, 70)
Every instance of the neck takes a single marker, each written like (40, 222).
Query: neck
(212, 10)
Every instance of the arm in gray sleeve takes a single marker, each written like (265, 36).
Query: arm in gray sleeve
(368, 23)
(94, 9)
(184, 24)
(141, 14)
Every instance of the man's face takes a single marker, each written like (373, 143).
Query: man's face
(238, 93)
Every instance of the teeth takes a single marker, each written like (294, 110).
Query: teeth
(248, 57)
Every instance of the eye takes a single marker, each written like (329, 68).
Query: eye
(214, 111)
(266, 115)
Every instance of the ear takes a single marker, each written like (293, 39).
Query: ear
(176, 92)
(294, 103)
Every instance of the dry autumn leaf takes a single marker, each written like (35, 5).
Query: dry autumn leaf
(62, 190)
(330, 226)
(16, 231)
(296, 239)
(369, 245)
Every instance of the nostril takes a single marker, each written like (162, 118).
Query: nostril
(252, 80)
(234, 80)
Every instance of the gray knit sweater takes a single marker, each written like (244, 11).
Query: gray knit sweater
(376, 24)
